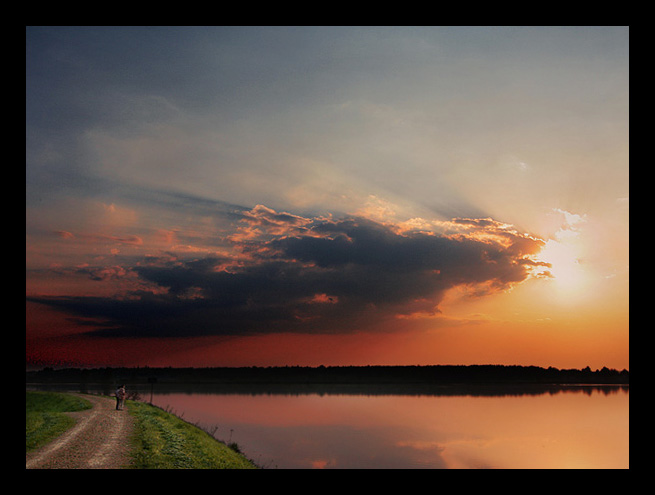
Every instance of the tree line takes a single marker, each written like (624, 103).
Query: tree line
(430, 374)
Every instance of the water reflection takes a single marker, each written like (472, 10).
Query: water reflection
(444, 427)
(470, 390)
(579, 427)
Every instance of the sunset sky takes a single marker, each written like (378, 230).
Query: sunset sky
(259, 196)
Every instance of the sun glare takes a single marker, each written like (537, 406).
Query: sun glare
(566, 268)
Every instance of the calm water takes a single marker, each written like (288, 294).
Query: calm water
(571, 427)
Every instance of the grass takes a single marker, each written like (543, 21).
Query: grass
(164, 441)
(160, 441)
(44, 416)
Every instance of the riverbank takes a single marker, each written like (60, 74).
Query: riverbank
(95, 436)
(165, 441)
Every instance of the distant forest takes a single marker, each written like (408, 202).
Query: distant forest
(328, 375)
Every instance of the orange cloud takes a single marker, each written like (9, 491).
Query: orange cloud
(288, 273)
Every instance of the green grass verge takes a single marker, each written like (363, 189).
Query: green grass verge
(164, 441)
(44, 416)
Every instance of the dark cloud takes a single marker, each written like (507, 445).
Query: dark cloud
(318, 275)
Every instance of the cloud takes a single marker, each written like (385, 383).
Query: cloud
(102, 238)
(263, 220)
(104, 273)
(298, 274)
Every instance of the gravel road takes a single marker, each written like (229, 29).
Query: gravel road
(99, 440)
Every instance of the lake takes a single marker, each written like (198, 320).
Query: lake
(352, 428)
(558, 427)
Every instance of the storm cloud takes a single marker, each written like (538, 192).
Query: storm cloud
(288, 273)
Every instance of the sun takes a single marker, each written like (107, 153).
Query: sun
(567, 268)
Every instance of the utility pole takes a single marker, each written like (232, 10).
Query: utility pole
(152, 380)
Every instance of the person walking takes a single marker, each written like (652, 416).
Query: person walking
(120, 397)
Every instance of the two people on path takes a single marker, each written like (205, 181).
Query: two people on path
(120, 397)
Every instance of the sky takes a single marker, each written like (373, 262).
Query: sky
(327, 195)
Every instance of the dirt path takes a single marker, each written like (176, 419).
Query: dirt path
(99, 440)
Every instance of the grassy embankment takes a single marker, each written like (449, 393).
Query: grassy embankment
(164, 441)
(44, 416)
(160, 441)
